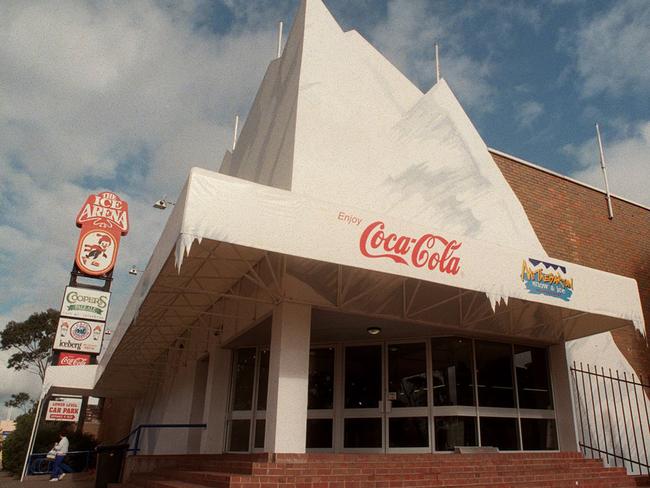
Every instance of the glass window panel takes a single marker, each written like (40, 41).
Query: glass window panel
(494, 374)
(244, 376)
(362, 376)
(319, 433)
(453, 379)
(262, 388)
(455, 431)
(539, 434)
(499, 432)
(260, 425)
(321, 379)
(239, 435)
(407, 374)
(533, 381)
(362, 433)
(408, 432)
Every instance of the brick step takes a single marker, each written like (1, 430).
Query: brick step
(412, 482)
(155, 480)
(352, 468)
(348, 457)
(226, 466)
(205, 478)
(517, 470)
(194, 479)
(585, 473)
(642, 480)
(257, 468)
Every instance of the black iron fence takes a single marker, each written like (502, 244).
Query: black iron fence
(612, 413)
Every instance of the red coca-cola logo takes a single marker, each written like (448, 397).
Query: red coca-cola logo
(429, 250)
(68, 359)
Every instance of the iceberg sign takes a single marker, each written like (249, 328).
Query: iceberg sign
(542, 278)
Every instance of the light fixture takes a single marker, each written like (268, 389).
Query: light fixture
(163, 203)
(133, 271)
(373, 330)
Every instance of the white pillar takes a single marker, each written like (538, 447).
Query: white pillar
(216, 400)
(565, 419)
(286, 407)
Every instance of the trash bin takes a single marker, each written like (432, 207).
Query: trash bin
(110, 460)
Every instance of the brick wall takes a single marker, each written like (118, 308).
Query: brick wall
(572, 224)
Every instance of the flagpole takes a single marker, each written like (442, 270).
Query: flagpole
(234, 136)
(280, 28)
(610, 210)
(437, 63)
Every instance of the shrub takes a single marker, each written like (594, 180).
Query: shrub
(15, 445)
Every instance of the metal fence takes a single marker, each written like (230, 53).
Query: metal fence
(612, 411)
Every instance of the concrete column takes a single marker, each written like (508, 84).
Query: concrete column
(216, 400)
(286, 406)
(567, 434)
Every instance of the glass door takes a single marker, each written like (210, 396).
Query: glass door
(407, 398)
(386, 398)
(363, 404)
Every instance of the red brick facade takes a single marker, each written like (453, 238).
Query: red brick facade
(572, 224)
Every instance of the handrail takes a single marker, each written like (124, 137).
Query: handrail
(35, 457)
(613, 416)
(137, 431)
(69, 452)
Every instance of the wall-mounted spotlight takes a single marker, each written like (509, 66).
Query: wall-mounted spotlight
(163, 203)
(133, 271)
(373, 330)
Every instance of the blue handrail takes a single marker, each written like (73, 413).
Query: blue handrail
(138, 430)
(39, 464)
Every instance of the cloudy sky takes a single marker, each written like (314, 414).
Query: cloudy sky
(127, 96)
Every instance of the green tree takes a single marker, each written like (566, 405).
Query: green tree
(14, 447)
(20, 400)
(32, 340)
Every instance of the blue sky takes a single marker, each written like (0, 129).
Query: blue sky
(127, 96)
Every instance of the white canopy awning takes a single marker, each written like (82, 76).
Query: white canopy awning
(222, 227)
(239, 212)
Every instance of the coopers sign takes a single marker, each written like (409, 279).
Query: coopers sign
(85, 303)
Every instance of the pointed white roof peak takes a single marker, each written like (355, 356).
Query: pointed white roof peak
(334, 119)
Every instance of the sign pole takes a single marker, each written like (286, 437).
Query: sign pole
(32, 438)
(82, 415)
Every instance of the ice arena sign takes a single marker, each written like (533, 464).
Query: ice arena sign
(104, 219)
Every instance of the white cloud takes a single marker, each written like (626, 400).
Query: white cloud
(120, 96)
(528, 112)
(611, 50)
(628, 164)
(407, 36)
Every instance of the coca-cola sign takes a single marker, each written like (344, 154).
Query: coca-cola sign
(71, 359)
(103, 219)
(430, 251)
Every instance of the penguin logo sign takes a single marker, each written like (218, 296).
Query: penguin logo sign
(96, 252)
(80, 331)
